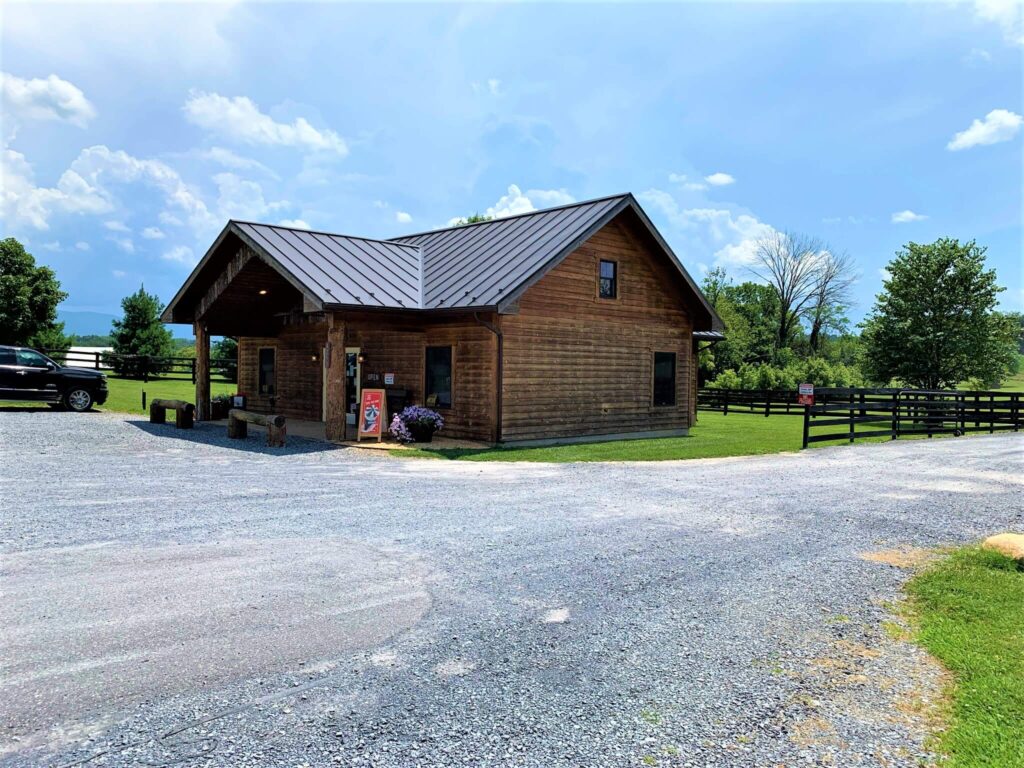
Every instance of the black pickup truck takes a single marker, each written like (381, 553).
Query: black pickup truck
(29, 375)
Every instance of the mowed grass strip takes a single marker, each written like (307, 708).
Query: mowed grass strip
(715, 435)
(125, 395)
(969, 609)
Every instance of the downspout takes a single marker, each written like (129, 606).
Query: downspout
(500, 372)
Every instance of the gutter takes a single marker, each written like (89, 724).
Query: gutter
(500, 372)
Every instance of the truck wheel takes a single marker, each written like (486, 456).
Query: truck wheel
(78, 399)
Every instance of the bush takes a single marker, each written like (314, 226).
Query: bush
(814, 370)
(413, 421)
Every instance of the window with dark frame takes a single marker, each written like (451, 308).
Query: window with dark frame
(608, 279)
(438, 388)
(664, 378)
(267, 371)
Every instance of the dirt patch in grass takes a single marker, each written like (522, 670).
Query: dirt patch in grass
(903, 557)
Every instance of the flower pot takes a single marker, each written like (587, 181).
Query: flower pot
(421, 434)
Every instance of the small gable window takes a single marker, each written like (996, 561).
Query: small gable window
(608, 279)
(664, 378)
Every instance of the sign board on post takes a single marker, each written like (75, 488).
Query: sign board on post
(805, 395)
(372, 414)
(389, 378)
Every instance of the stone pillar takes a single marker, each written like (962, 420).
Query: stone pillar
(202, 371)
(335, 362)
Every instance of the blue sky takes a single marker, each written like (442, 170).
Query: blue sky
(132, 132)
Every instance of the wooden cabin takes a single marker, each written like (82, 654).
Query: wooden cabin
(569, 323)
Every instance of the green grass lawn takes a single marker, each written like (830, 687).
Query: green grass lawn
(738, 434)
(125, 395)
(1013, 384)
(969, 610)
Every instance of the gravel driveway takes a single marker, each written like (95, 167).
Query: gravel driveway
(173, 598)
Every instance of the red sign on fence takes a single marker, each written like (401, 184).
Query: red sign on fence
(805, 395)
(372, 413)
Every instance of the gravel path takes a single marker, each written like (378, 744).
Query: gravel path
(170, 598)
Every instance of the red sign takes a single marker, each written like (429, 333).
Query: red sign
(372, 414)
(805, 395)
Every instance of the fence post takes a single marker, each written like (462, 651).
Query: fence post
(767, 404)
(895, 415)
(97, 354)
(991, 414)
(852, 422)
(807, 424)
(725, 407)
(193, 367)
(977, 411)
(1015, 410)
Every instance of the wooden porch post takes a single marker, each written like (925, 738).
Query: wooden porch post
(202, 371)
(335, 362)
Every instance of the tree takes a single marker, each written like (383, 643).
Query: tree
(473, 218)
(141, 335)
(29, 296)
(934, 325)
(790, 264)
(830, 296)
(226, 349)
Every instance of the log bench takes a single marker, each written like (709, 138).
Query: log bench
(184, 413)
(239, 421)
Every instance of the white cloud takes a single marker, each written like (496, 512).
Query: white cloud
(493, 85)
(379, 204)
(681, 178)
(118, 273)
(515, 201)
(82, 245)
(293, 223)
(39, 99)
(1008, 14)
(23, 203)
(729, 236)
(51, 246)
(243, 199)
(234, 161)
(153, 233)
(181, 254)
(905, 217)
(998, 125)
(978, 56)
(124, 243)
(831, 219)
(169, 219)
(402, 217)
(719, 179)
(116, 226)
(240, 119)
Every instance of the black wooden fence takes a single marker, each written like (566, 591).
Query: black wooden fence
(145, 367)
(905, 412)
(849, 413)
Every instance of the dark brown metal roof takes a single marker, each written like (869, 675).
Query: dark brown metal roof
(474, 266)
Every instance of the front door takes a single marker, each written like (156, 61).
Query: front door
(352, 383)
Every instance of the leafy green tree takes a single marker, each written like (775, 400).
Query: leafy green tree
(29, 296)
(473, 218)
(141, 335)
(226, 349)
(934, 325)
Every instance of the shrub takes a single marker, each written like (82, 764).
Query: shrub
(412, 420)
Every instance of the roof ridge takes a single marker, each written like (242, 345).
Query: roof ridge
(513, 216)
(323, 232)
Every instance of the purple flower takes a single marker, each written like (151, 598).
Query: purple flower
(415, 418)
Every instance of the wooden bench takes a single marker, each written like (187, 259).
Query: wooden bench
(184, 413)
(239, 421)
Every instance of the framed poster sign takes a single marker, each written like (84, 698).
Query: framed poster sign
(805, 394)
(372, 414)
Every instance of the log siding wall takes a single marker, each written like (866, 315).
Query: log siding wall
(578, 365)
(299, 378)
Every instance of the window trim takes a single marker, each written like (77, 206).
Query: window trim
(615, 280)
(259, 372)
(451, 393)
(654, 379)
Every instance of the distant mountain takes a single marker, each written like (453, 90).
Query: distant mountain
(85, 323)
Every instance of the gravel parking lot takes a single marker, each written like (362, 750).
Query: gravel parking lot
(173, 598)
